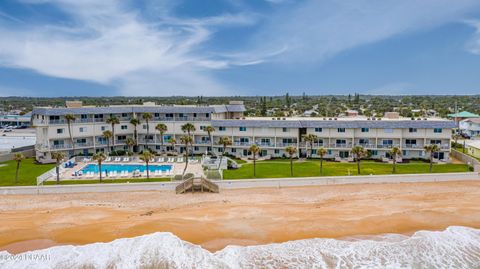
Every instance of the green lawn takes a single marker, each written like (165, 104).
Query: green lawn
(27, 175)
(311, 168)
(107, 181)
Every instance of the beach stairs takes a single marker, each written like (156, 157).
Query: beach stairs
(197, 184)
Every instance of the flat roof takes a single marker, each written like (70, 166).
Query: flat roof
(50, 111)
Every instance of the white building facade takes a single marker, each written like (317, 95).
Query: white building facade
(272, 135)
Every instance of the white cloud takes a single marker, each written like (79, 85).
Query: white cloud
(473, 45)
(110, 45)
(317, 30)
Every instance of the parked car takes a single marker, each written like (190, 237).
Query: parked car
(7, 130)
(466, 136)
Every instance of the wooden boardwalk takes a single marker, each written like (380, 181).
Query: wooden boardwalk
(197, 184)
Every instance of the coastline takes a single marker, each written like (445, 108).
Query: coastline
(238, 217)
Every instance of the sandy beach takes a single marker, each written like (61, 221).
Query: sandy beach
(240, 217)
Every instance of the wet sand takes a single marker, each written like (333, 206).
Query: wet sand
(240, 217)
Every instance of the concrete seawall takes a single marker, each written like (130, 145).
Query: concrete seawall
(243, 183)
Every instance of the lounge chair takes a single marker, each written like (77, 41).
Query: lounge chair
(118, 159)
(161, 160)
(108, 159)
(180, 160)
(170, 160)
(126, 159)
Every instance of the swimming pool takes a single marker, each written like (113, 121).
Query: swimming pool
(125, 167)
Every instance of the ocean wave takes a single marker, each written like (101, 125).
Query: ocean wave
(455, 247)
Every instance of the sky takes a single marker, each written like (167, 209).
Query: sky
(238, 47)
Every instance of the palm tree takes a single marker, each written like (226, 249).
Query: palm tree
(172, 141)
(18, 157)
(147, 117)
(130, 142)
(162, 128)
(107, 135)
(99, 157)
(70, 118)
(209, 129)
(395, 152)
(321, 152)
(113, 120)
(358, 152)
(431, 149)
(310, 139)
(254, 149)
(225, 141)
(58, 156)
(456, 135)
(146, 156)
(186, 140)
(189, 129)
(291, 151)
(135, 122)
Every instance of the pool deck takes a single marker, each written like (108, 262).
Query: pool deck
(177, 169)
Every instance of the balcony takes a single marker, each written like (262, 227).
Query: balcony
(283, 145)
(387, 146)
(238, 143)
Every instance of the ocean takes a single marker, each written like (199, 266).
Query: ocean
(455, 247)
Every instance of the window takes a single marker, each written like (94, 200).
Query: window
(195, 148)
(277, 151)
(388, 130)
(222, 128)
(124, 115)
(242, 129)
(341, 130)
(122, 137)
(374, 152)
(156, 115)
(169, 115)
(284, 130)
(341, 141)
(84, 116)
(234, 150)
(404, 153)
(207, 115)
(387, 142)
(411, 141)
(60, 131)
(220, 149)
(194, 115)
(437, 130)
(412, 130)
(81, 141)
(318, 130)
(144, 126)
(365, 130)
(103, 128)
(435, 141)
(363, 141)
(124, 127)
(82, 129)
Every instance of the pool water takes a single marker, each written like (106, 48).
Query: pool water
(125, 167)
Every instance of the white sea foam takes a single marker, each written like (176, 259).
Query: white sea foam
(456, 247)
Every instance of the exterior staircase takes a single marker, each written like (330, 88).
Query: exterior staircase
(197, 184)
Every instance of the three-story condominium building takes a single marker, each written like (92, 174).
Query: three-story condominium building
(272, 135)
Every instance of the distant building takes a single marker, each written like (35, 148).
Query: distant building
(470, 126)
(309, 113)
(462, 115)
(474, 148)
(351, 113)
(16, 120)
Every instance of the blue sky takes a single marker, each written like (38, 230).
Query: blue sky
(238, 47)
